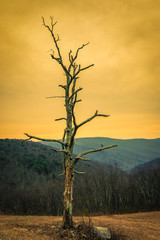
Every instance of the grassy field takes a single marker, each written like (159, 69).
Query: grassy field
(138, 226)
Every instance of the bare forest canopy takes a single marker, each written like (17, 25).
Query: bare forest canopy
(30, 183)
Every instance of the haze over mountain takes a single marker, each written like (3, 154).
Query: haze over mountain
(128, 154)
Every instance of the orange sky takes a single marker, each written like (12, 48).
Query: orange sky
(124, 45)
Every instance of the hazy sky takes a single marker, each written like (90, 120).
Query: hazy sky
(124, 38)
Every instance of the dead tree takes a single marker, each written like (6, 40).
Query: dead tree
(72, 72)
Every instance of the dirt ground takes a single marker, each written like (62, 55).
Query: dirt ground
(138, 226)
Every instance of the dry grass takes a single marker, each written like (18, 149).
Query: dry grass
(139, 226)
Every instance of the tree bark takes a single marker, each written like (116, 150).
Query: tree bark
(68, 197)
(69, 165)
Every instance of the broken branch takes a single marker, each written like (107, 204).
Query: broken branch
(59, 119)
(79, 156)
(43, 139)
(62, 86)
(89, 119)
(56, 97)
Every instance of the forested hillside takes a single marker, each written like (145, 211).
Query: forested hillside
(128, 154)
(153, 164)
(30, 155)
(29, 183)
(28, 172)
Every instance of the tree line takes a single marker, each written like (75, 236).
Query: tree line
(103, 189)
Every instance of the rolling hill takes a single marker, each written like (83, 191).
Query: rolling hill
(128, 154)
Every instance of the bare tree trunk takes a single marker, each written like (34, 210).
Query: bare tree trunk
(68, 197)
(69, 170)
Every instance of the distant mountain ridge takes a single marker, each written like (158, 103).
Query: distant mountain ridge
(128, 154)
(153, 165)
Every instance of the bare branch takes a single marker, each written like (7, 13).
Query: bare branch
(61, 174)
(77, 172)
(79, 156)
(65, 69)
(74, 84)
(25, 140)
(84, 159)
(63, 139)
(58, 39)
(52, 24)
(59, 119)
(75, 93)
(78, 100)
(79, 50)
(45, 140)
(59, 150)
(74, 119)
(55, 58)
(89, 119)
(70, 56)
(59, 59)
(64, 135)
(82, 69)
(73, 78)
(52, 34)
(102, 115)
(72, 59)
(56, 97)
(63, 86)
